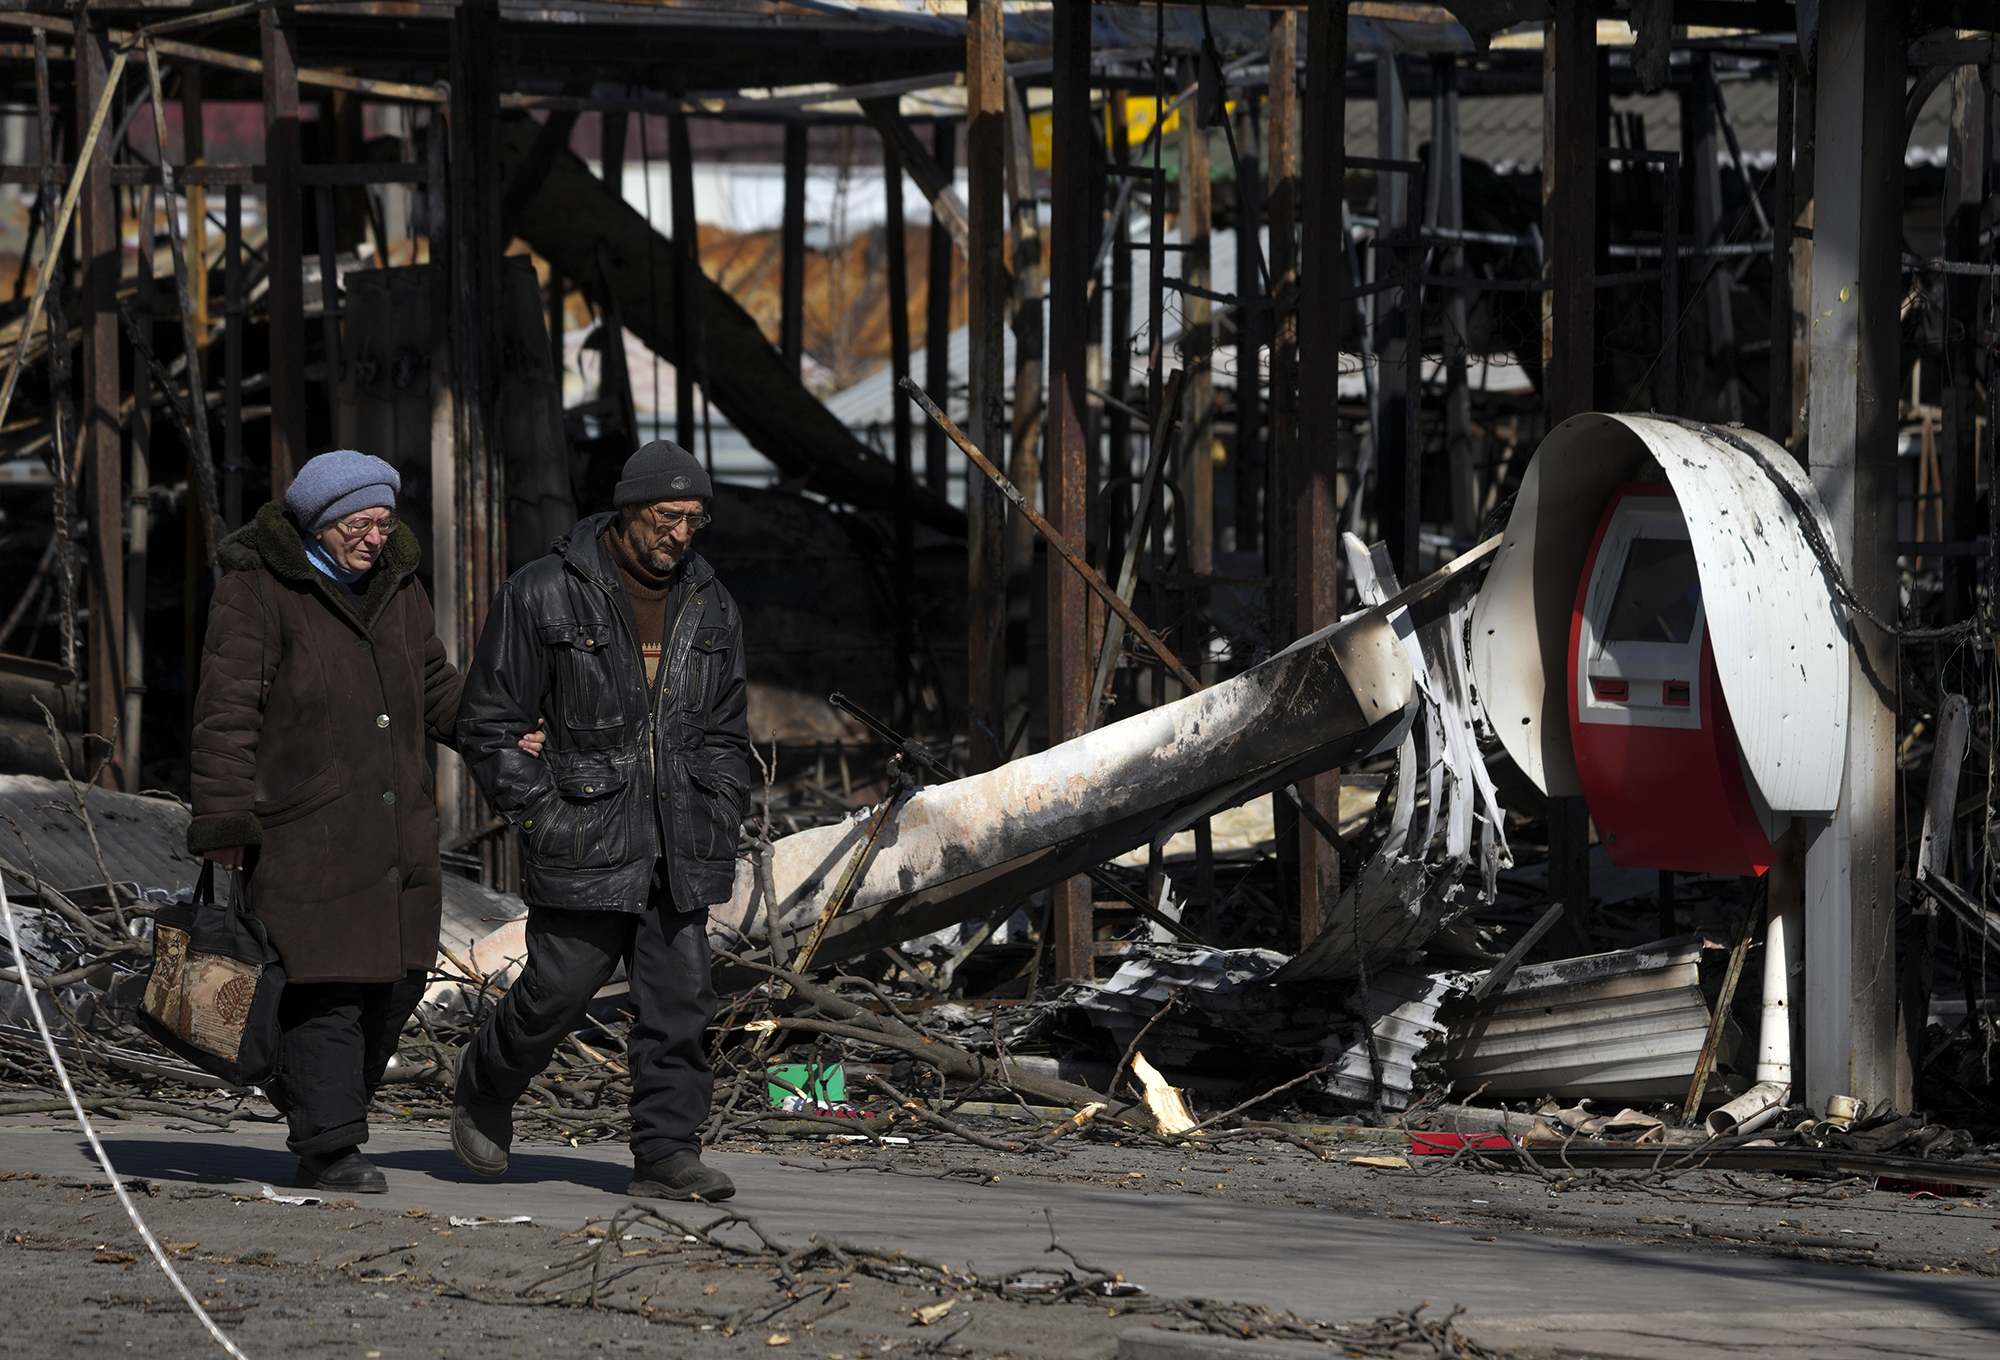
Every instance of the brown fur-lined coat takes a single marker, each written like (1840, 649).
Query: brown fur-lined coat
(309, 733)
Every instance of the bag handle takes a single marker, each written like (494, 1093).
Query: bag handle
(204, 888)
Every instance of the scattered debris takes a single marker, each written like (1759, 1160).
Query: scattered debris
(277, 1198)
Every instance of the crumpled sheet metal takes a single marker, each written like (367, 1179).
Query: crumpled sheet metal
(1626, 1025)
(1404, 1004)
(1414, 886)
(960, 848)
(1220, 989)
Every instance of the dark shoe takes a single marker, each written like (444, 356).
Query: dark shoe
(679, 1176)
(344, 1171)
(480, 1134)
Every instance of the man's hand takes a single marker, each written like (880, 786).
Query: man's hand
(533, 741)
(229, 857)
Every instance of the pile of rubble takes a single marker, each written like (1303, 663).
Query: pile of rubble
(851, 946)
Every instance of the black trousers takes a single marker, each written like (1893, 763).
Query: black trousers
(338, 1039)
(570, 955)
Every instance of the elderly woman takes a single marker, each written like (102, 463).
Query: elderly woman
(321, 678)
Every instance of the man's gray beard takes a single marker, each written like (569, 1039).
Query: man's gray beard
(660, 562)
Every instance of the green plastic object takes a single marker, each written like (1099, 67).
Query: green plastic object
(831, 1088)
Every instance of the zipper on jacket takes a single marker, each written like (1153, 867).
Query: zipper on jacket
(660, 824)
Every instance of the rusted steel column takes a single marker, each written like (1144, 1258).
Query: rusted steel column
(1315, 457)
(193, 551)
(1569, 211)
(194, 151)
(1569, 207)
(474, 262)
(98, 444)
(1252, 334)
(1197, 216)
(284, 243)
(1857, 292)
(985, 508)
(905, 586)
(1965, 171)
(1028, 418)
(1073, 203)
(937, 314)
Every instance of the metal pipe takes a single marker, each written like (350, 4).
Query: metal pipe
(1750, 1111)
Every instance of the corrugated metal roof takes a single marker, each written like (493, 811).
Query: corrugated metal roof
(42, 834)
(1627, 1025)
(145, 842)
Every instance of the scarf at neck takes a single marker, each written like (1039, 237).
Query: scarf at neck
(317, 554)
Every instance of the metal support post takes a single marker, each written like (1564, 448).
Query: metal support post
(1857, 292)
(194, 548)
(1197, 461)
(985, 507)
(1074, 202)
(687, 264)
(1703, 106)
(1389, 423)
(138, 496)
(329, 305)
(1569, 236)
(1778, 413)
(98, 444)
(284, 245)
(937, 314)
(792, 251)
(1024, 454)
(232, 357)
(899, 412)
(1447, 209)
(475, 489)
(1322, 316)
(1964, 196)
(1246, 460)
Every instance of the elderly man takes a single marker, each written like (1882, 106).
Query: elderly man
(321, 677)
(626, 646)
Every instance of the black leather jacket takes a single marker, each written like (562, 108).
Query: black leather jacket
(629, 777)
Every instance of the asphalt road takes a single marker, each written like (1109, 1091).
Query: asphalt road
(1332, 1261)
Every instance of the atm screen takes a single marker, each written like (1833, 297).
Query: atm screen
(1659, 593)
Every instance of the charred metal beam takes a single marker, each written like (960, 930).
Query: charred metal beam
(962, 848)
(1307, 427)
(97, 226)
(576, 213)
(986, 415)
(1074, 198)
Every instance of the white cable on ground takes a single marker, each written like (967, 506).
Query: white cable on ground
(104, 1160)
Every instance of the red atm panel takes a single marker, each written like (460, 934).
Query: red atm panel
(1654, 745)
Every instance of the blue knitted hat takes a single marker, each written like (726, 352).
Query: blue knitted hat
(337, 484)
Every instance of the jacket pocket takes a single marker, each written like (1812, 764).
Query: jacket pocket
(715, 819)
(587, 678)
(708, 662)
(585, 823)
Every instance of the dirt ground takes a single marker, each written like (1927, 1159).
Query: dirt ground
(349, 1278)
(339, 1278)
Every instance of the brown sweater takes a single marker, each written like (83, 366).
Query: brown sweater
(649, 593)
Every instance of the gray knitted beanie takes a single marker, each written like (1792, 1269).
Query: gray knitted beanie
(662, 471)
(335, 485)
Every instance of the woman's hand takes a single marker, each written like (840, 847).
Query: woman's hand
(229, 857)
(533, 741)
